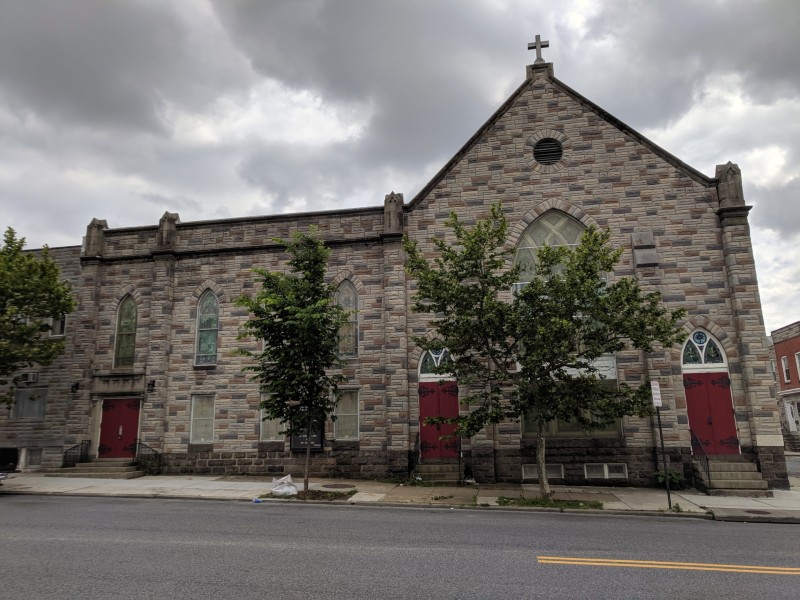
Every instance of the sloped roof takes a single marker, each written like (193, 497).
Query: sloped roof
(600, 112)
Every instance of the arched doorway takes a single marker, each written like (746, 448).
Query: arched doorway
(708, 394)
(438, 397)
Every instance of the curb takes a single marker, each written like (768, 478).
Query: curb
(412, 505)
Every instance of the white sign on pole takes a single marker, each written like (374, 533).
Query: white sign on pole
(655, 388)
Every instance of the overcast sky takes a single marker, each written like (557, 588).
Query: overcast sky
(122, 110)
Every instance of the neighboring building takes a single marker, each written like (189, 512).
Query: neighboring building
(786, 342)
(150, 349)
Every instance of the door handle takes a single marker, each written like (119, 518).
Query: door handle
(709, 422)
(120, 433)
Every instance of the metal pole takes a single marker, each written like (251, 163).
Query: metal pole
(664, 457)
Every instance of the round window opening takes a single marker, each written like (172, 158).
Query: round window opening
(548, 151)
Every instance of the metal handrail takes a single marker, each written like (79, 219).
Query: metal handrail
(149, 458)
(79, 453)
(699, 452)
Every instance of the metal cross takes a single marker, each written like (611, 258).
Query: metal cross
(538, 45)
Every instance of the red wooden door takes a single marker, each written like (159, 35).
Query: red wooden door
(710, 410)
(119, 428)
(438, 400)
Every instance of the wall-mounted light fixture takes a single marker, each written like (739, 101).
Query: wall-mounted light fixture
(151, 386)
(75, 387)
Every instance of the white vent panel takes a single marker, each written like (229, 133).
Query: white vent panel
(553, 472)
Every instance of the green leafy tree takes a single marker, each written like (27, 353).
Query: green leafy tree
(296, 318)
(532, 354)
(31, 297)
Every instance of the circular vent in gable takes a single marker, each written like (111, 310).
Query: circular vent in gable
(548, 151)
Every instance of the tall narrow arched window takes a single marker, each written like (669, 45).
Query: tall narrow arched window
(347, 298)
(125, 347)
(553, 228)
(207, 329)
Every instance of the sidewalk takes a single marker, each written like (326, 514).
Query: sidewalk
(784, 507)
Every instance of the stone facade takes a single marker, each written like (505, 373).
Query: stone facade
(682, 233)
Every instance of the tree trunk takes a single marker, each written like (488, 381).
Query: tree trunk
(308, 458)
(541, 469)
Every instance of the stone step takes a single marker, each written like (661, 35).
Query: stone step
(738, 484)
(104, 465)
(741, 493)
(437, 468)
(732, 467)
(741, 476)
(720, 458)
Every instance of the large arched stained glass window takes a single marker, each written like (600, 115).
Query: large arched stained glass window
(553, 228)
(207, 328)
(347, 298)
(125, 347)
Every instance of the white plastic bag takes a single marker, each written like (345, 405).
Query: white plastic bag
(283, 486)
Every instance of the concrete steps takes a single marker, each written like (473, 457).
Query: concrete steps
(731, 475)
(102, 468)
(792, 442)
(439, 472)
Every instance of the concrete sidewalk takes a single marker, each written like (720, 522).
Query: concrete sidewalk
(784, 507)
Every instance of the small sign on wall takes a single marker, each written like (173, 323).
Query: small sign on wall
(300, 440)
(655, 388)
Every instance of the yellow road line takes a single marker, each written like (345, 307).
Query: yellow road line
(655, 564)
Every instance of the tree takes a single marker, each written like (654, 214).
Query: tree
(533, 354)
(32, 297)
(296, 318)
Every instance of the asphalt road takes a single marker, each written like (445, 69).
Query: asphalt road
(125, 548)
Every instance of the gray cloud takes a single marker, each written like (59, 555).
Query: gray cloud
(113, 110)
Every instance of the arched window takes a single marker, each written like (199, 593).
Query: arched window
(207, 329)
(553, 228)
(347, 298)
(702, 352)
(430, 361)
(125, 348)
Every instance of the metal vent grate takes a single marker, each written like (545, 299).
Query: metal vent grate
(548, 151)
(594, 471)
(553, 472)
(618, 471)
(605, 470)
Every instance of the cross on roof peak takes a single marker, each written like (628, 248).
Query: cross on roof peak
(538, 45)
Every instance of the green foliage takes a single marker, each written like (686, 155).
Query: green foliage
(676, 480)
(532, 354)
(31, 296)
(550, 503)
(296, 318)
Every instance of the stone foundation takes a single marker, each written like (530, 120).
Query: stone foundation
(771, 462)
(344, 461)
(643, 463)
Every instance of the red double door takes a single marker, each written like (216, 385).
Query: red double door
(710, 409)
(438, 399)
(119, 428)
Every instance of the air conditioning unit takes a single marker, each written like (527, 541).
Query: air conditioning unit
(30, 377)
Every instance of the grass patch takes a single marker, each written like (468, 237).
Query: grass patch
(316, 495)
(443, 497)
(324, 495)
(549, 503)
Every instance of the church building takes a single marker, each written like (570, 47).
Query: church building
(150, 368)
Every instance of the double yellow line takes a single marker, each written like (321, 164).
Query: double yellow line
(657, 564)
